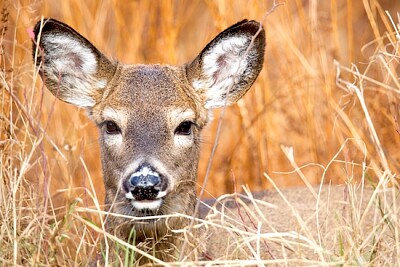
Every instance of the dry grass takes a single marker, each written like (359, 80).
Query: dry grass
(325, 109)
(353, 226)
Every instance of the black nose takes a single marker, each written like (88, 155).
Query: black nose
(145, 185)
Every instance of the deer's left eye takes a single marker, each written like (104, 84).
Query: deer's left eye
(111, 127)
(185, 128)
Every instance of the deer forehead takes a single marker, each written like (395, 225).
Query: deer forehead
(149, 93)
(171, 116)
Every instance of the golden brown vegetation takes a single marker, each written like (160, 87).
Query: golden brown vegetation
(329, 90)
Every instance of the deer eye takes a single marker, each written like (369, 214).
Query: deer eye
(185, 128)
(111, 127)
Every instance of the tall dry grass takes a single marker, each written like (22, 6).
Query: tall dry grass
(329, 89)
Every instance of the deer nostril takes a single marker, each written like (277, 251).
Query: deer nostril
(145, 184)
(145, 181)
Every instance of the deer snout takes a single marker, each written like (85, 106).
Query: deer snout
(145, 188)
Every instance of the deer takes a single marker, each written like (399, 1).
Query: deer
(150, 119)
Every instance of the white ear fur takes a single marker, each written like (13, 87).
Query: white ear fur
(222, 67)
(72, 65)
(227, 67)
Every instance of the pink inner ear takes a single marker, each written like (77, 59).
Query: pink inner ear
(78, 63)
(31, 33)
(221, 63)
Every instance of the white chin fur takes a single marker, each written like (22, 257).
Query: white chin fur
(160, 195)
(147, 204)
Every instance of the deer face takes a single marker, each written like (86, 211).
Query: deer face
(149, 116)
(150, 126)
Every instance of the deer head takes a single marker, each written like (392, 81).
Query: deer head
(149, 116)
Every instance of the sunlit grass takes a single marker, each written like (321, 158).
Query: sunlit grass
(324, 109)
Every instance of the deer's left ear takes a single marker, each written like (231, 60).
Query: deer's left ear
(229, 64)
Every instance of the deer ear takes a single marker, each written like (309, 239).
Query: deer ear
(229, 64)
(70, 66)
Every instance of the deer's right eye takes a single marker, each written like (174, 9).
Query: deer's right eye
(185, 128)
(111, 127)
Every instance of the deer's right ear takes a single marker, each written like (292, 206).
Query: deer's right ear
(70, 66)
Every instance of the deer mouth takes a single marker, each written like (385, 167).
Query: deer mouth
(152, 203)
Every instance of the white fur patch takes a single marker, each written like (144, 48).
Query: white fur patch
(75, 64)
(129, 195)
(145, 171)
(120, 118)
(113, 140)
(100, 84)
(178, 116)
(183, 140)
(222, 66)
(147, 204)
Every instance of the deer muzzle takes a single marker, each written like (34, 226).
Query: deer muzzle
(145, 188)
